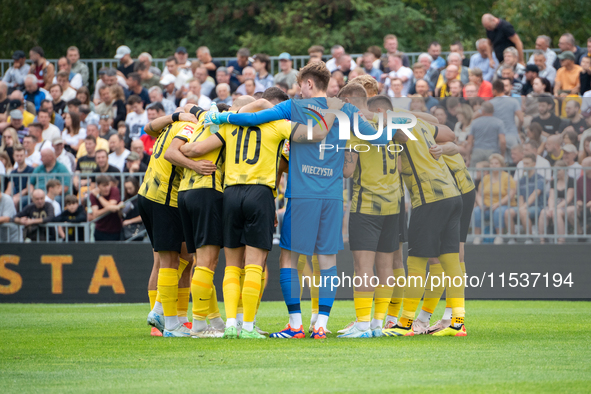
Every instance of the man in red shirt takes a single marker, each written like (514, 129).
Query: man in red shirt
(105, 201)
(484, 87)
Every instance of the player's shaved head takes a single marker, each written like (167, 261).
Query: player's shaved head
(382, 102)
(274, 95)
(241, 102)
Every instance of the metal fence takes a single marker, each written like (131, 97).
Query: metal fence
(548, 218)
(299, 61)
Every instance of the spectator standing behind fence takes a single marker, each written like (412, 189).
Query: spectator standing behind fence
(137, 117)
(486, 136)
(8, 231)
(50, 169)
(496, 193)
(73, 55)
(501, 35)
(560, 196)
(569, 157)
(42, 69)
(37, 212)
(130, 211)
(64, 66)
(118, 152)
(105, 201)
(582, 209)
(63, 156)
(53, 191)
(530, 194)
(73, 135)
(18, 184)
(32, 156)
(126, 63)
(15, 75)
(73, 213)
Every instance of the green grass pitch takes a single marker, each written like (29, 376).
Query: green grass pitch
(512, 346)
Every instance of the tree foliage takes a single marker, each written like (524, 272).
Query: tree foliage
(271, 26)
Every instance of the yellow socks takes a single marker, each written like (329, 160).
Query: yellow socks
(363, 301)
(251, 292)
(168, 286)
(397, 293)
(262, 290)
(214, 309)
(152, 294)
(383, 295)
(201, 288)
(455, 293)
(231, 290)
(182, 303)
(413, 292)
(433, 293)
(315, 279)
(182, 265)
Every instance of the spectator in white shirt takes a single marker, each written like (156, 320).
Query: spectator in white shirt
(337, 51)
(63, 156)
(68, 92)
(569, 157)
(223, 94)
(543, 45)
(50, 131)
(250, 73)
(181, 75)
(543, 165)
(108, 77)
(397, 70)
(137, 118)
(195, 90)
(118, 152)
(182, 59)
(545, 69)
(33, 157)
(54, 190)
(75, 79)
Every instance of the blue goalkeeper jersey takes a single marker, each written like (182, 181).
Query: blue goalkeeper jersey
(313, 173)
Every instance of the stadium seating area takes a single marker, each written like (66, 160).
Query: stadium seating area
(63, 130)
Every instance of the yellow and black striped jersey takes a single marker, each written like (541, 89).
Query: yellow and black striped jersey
(162, 179)
(427, 180)
(376, 182)
(193, 180)
(253, 152)
(458, 169)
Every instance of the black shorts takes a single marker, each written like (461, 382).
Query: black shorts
(249, 216)
(467, 208)
(163, 225)
(201, 214)
(435, 228)
(376, 233)
(403, 222)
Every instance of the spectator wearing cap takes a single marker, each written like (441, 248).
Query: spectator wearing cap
(134, 83)
(50, 168)
(567, 76)
(156, 97)
(17, 101)
(16, 122)
(531, 73)
(118, 152)
(146, 59)
(545, 69)
(585, 76)
(248, 73)
(235, 67)
(42, 69)
(126, 63)
(15, 75)
(182, 59)
(33, 93)
(570, 156)
(287, 75)
(501, 35)
(133, 164)
(567, 43)
(333, 64)
(108, 77)
(262, 66)
(78, 67)
(137, 118)
(207, 82)
(63, 156)
(168, 84)
(204, 56)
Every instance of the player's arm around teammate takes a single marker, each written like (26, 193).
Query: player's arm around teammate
(154, 128)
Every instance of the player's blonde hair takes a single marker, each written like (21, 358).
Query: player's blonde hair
(369, 84)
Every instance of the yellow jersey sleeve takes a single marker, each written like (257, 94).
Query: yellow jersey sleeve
(458, 169)
(162, 179)
(427, 180)
(253, 153)
(191, 179)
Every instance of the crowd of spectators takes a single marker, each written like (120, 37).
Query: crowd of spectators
(507, 112)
